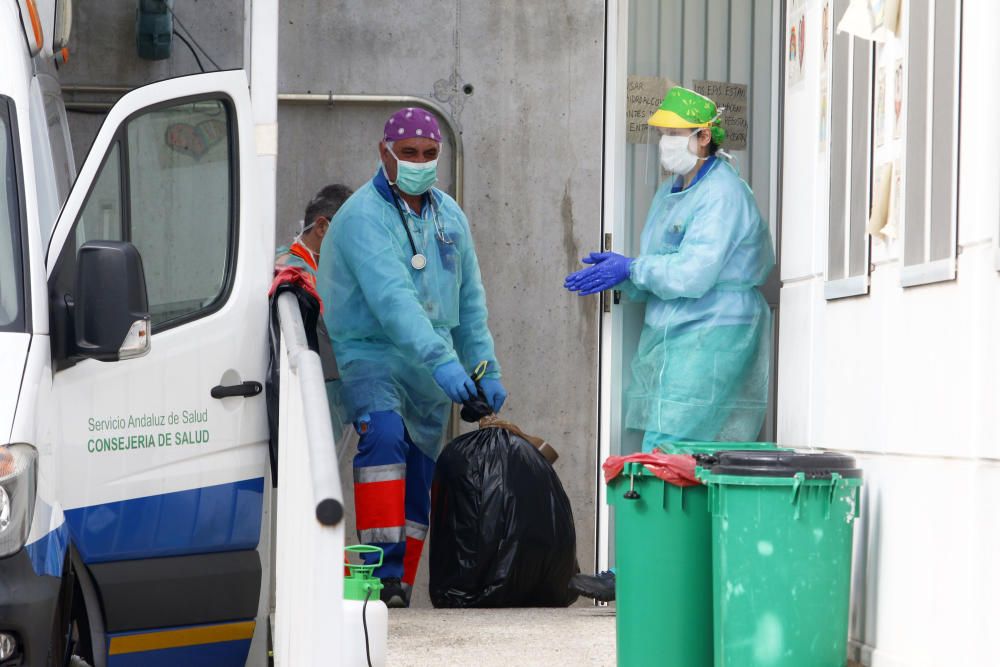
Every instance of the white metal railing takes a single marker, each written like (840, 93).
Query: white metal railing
(310, 526)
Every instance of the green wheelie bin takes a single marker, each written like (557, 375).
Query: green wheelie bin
(782, 534)
(663, 573)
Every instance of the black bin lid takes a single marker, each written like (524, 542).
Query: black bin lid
(815, 465)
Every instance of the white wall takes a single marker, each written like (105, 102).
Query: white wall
(905, 378)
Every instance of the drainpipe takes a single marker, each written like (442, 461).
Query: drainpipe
(330, 99)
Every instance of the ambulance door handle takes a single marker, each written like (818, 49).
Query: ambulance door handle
(248, 388)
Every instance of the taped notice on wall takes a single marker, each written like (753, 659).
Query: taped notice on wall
(731, 98)
(643, 97)
(875, 20)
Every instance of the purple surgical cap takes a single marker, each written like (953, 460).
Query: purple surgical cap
(412, 122)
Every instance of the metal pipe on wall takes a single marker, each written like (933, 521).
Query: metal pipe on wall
(329, 99)
(412, 100)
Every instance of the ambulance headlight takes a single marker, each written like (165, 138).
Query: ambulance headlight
(18, 475)
(8, 645)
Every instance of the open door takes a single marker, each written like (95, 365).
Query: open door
(162, 458)
(728, 51)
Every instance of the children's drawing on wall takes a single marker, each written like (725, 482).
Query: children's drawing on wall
(802, 41)
(793, 52)
(897, 104)
(880, 107)
(794, 56)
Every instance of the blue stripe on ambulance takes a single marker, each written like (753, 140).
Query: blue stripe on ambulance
(48, 552)
(225, 517)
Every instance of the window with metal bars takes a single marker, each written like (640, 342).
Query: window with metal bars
(930, 221)
(851, 92)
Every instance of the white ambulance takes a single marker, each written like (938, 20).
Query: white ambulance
(133, 349)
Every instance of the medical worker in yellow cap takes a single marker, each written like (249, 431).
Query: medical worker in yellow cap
(701, 370)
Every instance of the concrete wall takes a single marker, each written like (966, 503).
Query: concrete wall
(531, 125)
(102, 51)
(906, 378)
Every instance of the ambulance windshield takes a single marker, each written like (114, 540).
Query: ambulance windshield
(11, 269)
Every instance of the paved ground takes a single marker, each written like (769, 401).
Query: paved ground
(502, 637)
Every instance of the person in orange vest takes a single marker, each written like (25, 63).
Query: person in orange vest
(303, 251)
(299, 262)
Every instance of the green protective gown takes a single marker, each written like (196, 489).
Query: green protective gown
(701, 370)
(392, 325)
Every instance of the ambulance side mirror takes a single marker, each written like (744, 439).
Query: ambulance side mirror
(110, 307)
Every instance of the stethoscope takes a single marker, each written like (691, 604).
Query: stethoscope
(418, 261)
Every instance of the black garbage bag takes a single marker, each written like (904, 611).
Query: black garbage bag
(502, 532)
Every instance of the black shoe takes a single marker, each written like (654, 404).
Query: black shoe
(600, 587)
(395, 594)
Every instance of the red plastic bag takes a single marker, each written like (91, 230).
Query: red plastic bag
(296, 276)
(677, 469)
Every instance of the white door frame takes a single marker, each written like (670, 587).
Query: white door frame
(613, 221)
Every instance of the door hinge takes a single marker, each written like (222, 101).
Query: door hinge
(606, 294)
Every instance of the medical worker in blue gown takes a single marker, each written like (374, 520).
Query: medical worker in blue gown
(406, 312)
(701, 369)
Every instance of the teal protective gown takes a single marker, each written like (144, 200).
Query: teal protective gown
(702, 367)
(391, 325)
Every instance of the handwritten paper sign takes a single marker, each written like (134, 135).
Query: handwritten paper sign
(732, 97)
(644, 94)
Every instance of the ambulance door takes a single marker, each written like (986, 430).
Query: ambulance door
(162, 458)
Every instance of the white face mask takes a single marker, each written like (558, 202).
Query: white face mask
(675, 153)
(298, 239)
(314, 255)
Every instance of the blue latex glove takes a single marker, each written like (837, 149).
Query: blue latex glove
(455, 382)
(608, 270)
(494, 391)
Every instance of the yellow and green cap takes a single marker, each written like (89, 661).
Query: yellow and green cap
(683, 108)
